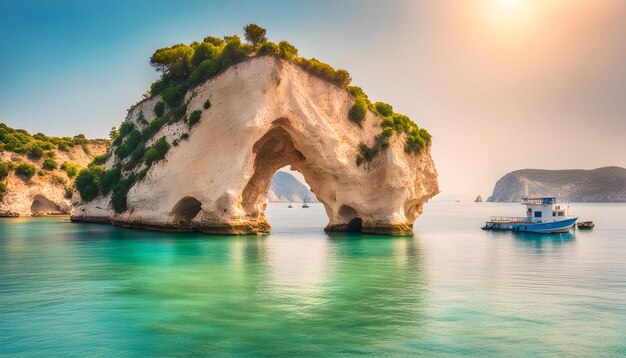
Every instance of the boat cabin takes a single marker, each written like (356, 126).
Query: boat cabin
(544, 210)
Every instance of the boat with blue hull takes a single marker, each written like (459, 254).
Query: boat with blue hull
(543, 215)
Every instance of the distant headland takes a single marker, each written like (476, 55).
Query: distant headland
(37, 172)
(606, 184)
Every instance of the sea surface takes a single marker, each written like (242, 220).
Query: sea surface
(70, 289)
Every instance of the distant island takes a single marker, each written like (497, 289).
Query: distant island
(606, 184)
(286, 188)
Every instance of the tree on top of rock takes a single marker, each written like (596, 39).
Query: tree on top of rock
(255, 34)
(174, 61)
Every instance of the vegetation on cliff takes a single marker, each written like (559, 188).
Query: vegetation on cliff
(129, 146)
(38, 154)
(186, 66)
(20, 141)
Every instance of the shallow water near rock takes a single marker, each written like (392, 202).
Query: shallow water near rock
(452, 289)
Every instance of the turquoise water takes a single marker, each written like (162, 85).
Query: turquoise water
(453, 289)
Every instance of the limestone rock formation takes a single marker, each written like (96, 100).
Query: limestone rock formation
(606, 184)
(45, 192)
(479, 199)
(267, 113)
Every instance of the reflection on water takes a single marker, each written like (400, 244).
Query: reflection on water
(540, 240)
(453, 289)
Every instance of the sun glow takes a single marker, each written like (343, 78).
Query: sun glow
(509, 16)
(509, 4)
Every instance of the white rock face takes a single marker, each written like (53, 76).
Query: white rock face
(267, 113)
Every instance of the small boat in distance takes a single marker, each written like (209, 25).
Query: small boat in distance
(304, 204)
(543, 215)
(290, 206)
(585, 225)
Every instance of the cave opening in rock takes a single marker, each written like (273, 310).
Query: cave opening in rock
(43, 205)
(186, 209)
(355, 225)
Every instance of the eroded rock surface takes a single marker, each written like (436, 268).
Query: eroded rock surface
(267, 113)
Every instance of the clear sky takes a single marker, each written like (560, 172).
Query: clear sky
(501, 84)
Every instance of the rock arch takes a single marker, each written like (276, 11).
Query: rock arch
(43, 205)
(268, 113)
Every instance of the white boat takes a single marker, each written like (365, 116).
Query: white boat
(543, 215)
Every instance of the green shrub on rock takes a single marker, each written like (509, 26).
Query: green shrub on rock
(120, 193)
(3, 191)
(205, 70)
(388, 132)
(383, 109)
(151, 129)
(207, 104)
(287, 50)
(234, 51)
(70, 169)
(173, 95)
(156, 151)
(194, 118)
(26, 170)
(215, 41)
(204, 51)
(160, 85)
(98, 160)
(5, 169)
(159, 109)
(35, 151)
(108, 179)
(358, 111)
(49, 164)
(269, 47)
(88, 182)
(179, 112)
(136, 156)
(69, 192)
(141, 118)
(359, 160)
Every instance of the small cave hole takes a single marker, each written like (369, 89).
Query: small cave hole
(355, 225)
(186, 209)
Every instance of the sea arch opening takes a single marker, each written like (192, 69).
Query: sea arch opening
(282, 146)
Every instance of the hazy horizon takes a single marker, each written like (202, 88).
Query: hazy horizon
(501, 84)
